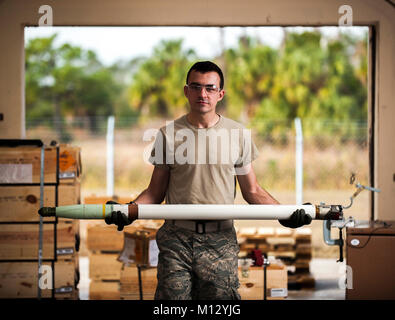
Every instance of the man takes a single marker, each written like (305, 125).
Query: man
(199, 259)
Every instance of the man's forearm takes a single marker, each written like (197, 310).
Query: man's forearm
(259, 196)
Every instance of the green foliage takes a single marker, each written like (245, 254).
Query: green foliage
(250, 74)
(66, 81)
(157, 87)
(321, 80)
(318, 84)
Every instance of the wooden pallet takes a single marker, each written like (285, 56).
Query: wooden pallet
(252, 286)
(130, 289)
(104, 266)
(301, 281)
(292, 247)
(104, 290)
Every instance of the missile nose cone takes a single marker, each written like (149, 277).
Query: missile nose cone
(47, 211)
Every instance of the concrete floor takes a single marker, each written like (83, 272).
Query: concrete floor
(327, 273)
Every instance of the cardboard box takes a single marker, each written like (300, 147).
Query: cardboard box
(20, 241)
(20, 280)
(23, 164)
(102, 237)
(21, 203)
(140, 248)
(251, 287)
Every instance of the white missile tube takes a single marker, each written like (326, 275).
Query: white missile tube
(221, 212)
(191, 211)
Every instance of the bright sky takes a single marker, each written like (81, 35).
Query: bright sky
(115, 43)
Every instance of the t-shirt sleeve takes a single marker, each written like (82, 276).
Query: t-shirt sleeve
(158, 152)
(249, 151)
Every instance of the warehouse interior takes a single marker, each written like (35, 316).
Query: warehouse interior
(93, 261)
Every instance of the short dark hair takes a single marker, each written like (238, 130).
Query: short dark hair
(207, 66)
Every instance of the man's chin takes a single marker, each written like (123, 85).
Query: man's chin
(202, 108)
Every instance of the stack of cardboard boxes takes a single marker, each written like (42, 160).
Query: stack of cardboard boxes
(19, 222)
(138, 287)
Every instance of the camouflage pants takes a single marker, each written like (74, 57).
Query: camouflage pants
(197, 266)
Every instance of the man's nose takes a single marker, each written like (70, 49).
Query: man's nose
(203, 92)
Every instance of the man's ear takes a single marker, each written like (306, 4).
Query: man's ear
(186, 91)
(221, 95)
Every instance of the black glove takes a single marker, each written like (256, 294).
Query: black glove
(117, 218)
(298, 219)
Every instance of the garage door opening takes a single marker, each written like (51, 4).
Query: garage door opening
(76, 77)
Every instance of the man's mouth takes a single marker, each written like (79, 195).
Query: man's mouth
(202, 102)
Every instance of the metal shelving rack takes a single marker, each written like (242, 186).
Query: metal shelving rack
(38, 143)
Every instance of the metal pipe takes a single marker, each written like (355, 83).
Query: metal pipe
(299, 161)
(110, 156)
(40, 229)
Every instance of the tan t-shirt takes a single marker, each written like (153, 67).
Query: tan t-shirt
(202, 161)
